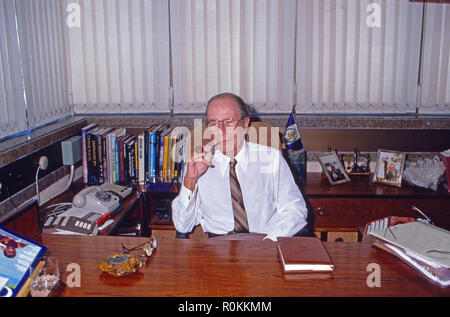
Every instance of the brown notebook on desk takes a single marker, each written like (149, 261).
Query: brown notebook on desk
(304, 255)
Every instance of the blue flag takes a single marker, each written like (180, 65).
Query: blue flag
(292, 135)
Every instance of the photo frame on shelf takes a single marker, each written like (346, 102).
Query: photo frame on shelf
(332, 167)
(389, 168)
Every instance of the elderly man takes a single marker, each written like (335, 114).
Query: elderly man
(238, 186)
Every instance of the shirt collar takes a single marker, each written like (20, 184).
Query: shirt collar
(222, 162)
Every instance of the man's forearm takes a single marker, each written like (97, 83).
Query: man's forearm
(184, 213)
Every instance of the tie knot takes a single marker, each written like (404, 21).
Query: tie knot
(233, 163)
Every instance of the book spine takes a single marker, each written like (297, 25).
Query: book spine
(161, 157)
(181, 159)
(146, 158)
(111, 158)
(141, 162)
(93, 175)
(99, 159)
(84, 150)
(136, 160)
(172, 156)
(121, 162)
(154, 157)
(151, 157)
(104, 162)
(129, 162)
(133, 158)
(165, 156)
(88, 158)
(169, 159)
(126, 162)
(157, 155)
(116, 162)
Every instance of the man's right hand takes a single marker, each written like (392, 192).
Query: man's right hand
(200, 163)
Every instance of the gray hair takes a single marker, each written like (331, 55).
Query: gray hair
(244, 109)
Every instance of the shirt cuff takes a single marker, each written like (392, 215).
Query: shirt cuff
(187, 194)
(270, 237)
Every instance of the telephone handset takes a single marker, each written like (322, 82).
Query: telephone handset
(95, 199)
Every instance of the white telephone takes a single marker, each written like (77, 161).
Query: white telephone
(94, 199)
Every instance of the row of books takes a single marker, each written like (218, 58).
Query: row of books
(112, 155)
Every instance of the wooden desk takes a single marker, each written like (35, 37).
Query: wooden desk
(230, 268)
(339, 210)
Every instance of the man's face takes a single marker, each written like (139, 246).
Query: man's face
(229, 137)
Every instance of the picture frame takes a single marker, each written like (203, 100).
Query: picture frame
(333, 168)
(389, 168)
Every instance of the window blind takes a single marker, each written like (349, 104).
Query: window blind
(346, 63)
(244, 47)
(41, 28)
(12, 104)
(120, 56)
(435, 72)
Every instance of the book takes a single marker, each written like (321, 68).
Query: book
(141, 159)
(102, 163)
(111, 156)
(122, 157)
(84, 149)
(18, 254)
(130, 154)
(304, 255)
(90, 155)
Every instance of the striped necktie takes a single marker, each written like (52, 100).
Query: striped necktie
(240, 216)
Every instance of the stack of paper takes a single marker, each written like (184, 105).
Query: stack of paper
(424, 247)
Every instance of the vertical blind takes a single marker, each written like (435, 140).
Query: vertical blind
(12, 105)
(120, 56)
(346, 64)
(435, 72)
(244, 47)
(142, 56)
(41, 28)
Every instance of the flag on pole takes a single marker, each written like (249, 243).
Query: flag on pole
(292, 135)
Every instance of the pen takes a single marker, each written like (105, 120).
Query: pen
(104, 218)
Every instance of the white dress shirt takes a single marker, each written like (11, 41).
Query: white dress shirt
(273, 202)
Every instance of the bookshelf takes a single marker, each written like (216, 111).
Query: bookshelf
(139, 156)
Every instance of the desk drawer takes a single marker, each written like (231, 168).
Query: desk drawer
(353, 212)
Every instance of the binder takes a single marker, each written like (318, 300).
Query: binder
(424, 247)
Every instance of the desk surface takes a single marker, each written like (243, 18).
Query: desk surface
(231, 268)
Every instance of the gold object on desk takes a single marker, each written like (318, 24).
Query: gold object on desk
(122, 264)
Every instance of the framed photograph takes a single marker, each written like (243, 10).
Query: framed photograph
(389, 169)
(333, 168)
